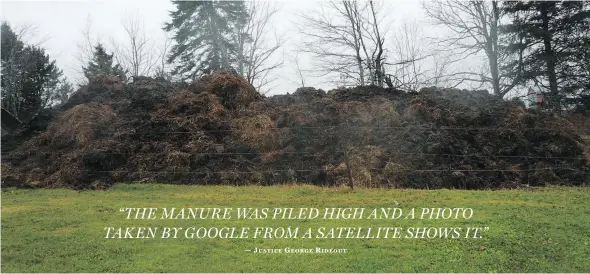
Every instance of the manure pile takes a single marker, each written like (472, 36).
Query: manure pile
(220, 131)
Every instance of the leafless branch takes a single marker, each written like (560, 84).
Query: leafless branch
(345, 39)
(473, 27)
(257, 56)
(137, 55)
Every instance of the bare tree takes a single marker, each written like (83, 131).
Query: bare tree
(333, 41)
(257, 56)
(353, 15)
(474, 28)
(85, 49)
(378, 57)
(163, 49)
(346, 39)
(29, 33)
(408, 71)
(136, 55)
(299, 71)
(415, 63)
(441, 63)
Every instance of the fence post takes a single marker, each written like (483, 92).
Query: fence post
(528, 162)
(350, 182)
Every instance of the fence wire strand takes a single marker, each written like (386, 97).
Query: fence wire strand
(348, 127)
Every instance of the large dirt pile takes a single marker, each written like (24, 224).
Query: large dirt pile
(219, 130)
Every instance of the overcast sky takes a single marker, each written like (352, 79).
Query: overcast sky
(59, 26)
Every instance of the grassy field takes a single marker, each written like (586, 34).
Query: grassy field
(59, 230)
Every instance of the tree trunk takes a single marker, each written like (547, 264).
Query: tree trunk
(493, 50)
(378, 65)
(221, 54)
(351, 17)
(549, 58)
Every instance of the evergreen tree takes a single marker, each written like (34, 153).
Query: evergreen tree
(102, 65)
(548, 38)
(28, 76)
(574, 74)
(50, 87)
(63, 92)
(203, 33)
(11, 56)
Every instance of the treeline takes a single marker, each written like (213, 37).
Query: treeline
(543, 45)
(208, 36)
(540, 45)
(31, 81)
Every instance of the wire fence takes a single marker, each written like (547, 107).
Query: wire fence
(527, 159)
(314, 170)
(337, 151)
(362, 127)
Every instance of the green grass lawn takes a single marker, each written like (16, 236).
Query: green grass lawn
(60, 230)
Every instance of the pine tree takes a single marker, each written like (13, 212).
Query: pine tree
(574, 74)
(50, 87)
(546, 37)
(11, 55)
(203, 34)
(63, 92)
(28, 76)
(102, 65)
(38, 70)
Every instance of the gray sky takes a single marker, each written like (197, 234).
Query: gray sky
(59, 26)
